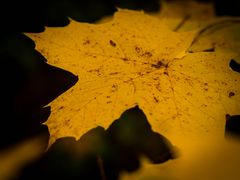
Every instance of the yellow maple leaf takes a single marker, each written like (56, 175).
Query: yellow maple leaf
(136, 59)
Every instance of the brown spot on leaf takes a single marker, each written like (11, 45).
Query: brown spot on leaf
(166, 73)
(209, 97)
(147, 54)
(112, 43)
(189, 94)
(60, 108)
(223, 83)
(158, 65)
(209, 50)
(155, 99)
(114, 86)
(231, 94)
(113, 73)
(137, 49)
(125, 59)
(86, 42)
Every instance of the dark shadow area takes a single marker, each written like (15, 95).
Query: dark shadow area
(32, 16)
(234, 65)
(103, 154)
(222, 7)
(28, 83)
(232, 127)
(227, 7)
(148, 6)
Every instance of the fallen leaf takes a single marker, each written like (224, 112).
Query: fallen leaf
(219, 35)
(178, 9)
(186, 15)
(136, 59)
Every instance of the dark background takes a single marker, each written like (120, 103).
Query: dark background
(28, 83)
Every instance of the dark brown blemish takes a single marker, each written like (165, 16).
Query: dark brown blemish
(187, 79)
(114, 86)
(231, 94)
(158, 65)
(166, 73)
(113, 73)
(86, 42)
(60, 108)
(189, 94)
(125, 59)
(95, 71)
(112, 43)
(156, 100)
(148, 54)
(209, 97)
(209, 50)
(137, 49)
(223, 83)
